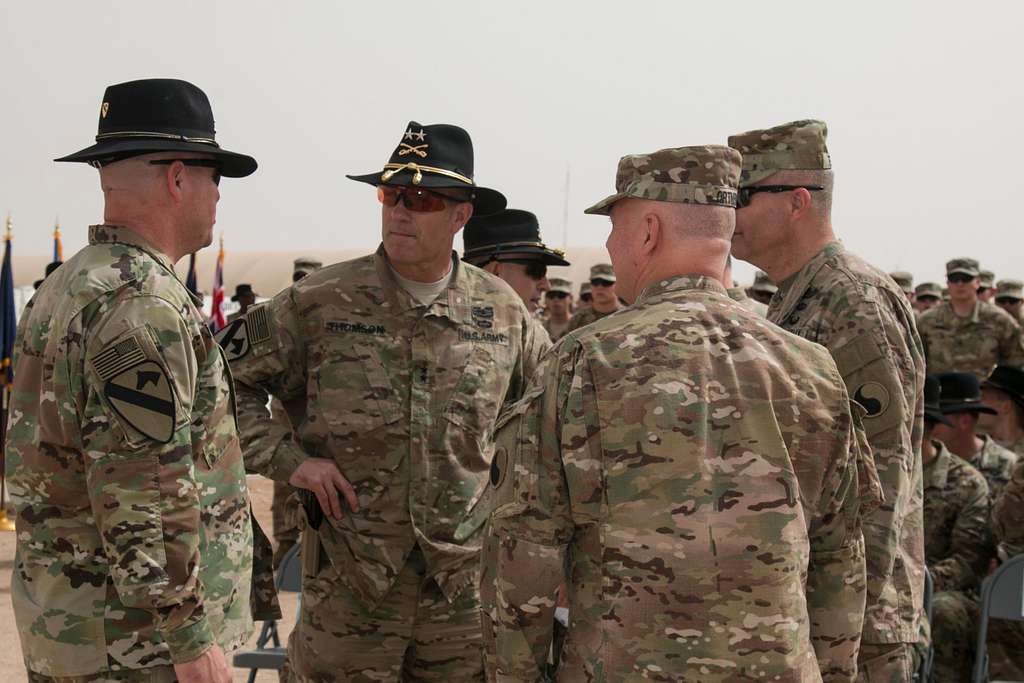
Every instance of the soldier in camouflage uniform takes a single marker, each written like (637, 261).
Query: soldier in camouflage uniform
(927, 295)
(962, 404)
(739, 294)
(1010, 298)
(1005, 641)
(690, 470)
(403, 359)
(1004, 392)
(905, 281)
(957, 544)
(134, 552)
(558, 308)
(830, 296)
(986, 286)
(586, 297)
(508, 245)
(966, 334)
(605, 300)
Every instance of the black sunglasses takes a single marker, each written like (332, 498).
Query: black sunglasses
(205, 163)
(744, 194)
(959, 278)
(601, 283)
(586, 297)
(1008, 300)
(556, 295)
(535, 270)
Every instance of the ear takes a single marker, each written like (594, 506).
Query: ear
(174, 179)
(799, 203)
(463, 212)
(653, 234)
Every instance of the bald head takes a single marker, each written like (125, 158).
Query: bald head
(652, 240)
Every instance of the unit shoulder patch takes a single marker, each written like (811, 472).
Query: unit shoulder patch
(142, 396)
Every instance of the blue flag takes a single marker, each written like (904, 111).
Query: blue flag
(8, 321)
(190, 279)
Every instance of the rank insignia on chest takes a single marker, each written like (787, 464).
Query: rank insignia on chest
(483, 316)
(142, 396)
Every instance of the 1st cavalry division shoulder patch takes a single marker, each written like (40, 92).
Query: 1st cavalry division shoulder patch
(138, 389)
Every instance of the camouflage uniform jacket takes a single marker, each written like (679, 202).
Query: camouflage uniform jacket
(403, 397)
(740, 296)
(134, 545)
(859, 314)
(587, 316)
(696, 468)
(995, 462)
(1008, 515)
(986, 338)
(956, 507)
(1015, 446)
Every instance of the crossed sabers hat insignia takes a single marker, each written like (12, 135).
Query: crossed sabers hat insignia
(418, 150)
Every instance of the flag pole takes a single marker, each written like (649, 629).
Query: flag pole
(6, 524)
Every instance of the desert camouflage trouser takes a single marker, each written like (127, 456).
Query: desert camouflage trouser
(415, 634)
(157, 674)
(954, 623)
(888, 663)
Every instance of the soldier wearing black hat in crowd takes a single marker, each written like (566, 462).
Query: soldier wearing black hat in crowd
(404, 358)
(244, 297)
(957, 545)
(1004, 391)
(135, 546)
(507, 244)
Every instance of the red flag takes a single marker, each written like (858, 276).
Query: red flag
(217, 320)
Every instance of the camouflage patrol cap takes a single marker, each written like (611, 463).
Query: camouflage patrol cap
(904, 279)
(795, 146)
(926, 289)
(585, 288)
(986, 279)
(967, 266)
(602, 271)
(307, 264)
(560, 285)
(1010, 289)
(706, 174)
(763, 283)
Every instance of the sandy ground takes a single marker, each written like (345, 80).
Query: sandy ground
(11, 667)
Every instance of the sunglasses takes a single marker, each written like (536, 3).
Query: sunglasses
(1009, 301)
(586, 297)
(414, 198)
(744, 194)
(959, 278)
(601, 283)
(535, 270)
(927, 298)
(556, 295)
(204, 163)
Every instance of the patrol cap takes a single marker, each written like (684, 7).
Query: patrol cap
(763, 283)
(508, 233)
(961, 393)
(602, 271)
(1010, 289)
(307, 264)
(904, 279)
(986, 279)
(706, 174)
(927, 289)
(560, 285)
(967, 266)
(795, 146)
(932, 407)
(585, 289)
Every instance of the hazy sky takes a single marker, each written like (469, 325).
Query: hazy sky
(923, 101)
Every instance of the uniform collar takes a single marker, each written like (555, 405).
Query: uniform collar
(936, 473)
(452, 303)
(791, 290)
(118, 234)
(659, 290)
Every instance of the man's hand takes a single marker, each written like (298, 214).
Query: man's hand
(209, 667)
(324, 479)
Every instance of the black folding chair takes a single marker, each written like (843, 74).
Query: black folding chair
(269, 654)
(1002, 597)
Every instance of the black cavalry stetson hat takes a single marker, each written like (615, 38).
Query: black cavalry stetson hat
(158, 115)
(512, 232)
(932, 407)
(961, 393)
(1007, 379)
(243, 290)
(435, 156)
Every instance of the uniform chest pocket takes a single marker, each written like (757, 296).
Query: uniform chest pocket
(354, 393)
(480, 390)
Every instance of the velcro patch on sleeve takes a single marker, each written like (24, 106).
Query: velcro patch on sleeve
(259, 324)
(122, 355)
